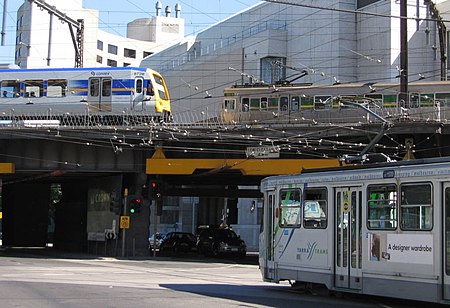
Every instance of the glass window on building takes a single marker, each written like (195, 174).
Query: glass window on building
(273, 69)
(112, 63)
(112, 49)
(129, 53)
(99, 45)
(147, 53)
(99, 59)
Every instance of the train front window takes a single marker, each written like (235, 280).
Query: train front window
(290, 208)
(416, 207)
(382, 207)
(56, 87)
(315, 208)
(10, 88)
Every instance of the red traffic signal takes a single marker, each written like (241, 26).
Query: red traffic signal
(135, 205)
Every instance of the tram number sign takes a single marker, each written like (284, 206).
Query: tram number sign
(124, 222)
(346, 207)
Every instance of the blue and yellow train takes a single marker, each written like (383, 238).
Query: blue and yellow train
(101, 91)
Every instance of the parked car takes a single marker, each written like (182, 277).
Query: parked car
(178, 242)
(218, 241)
(159, 238)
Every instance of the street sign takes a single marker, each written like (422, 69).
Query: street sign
(124, 222)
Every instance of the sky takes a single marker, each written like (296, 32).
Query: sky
(115, 14)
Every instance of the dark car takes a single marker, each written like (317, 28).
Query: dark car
(217, 241)
(178, 242)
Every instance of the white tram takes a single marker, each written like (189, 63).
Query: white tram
(377, 229)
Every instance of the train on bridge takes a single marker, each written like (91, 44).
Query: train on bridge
(335, 104)
(93, 93)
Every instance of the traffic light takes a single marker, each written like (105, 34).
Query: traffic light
(155, 190)
(115, 206)
(135, 205)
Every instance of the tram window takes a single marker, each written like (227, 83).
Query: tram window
(427, 100)
(56, 87)
(416, 207)
(315, 208)
(106, 87)
(10, 88)
(229, 104)
(290, 206)
(307, 102)
(322, 102)
(295, 103)
(273, 103)
(245, 104)
(382, 207)
(390, 100)
(34, 88)
(443, 98)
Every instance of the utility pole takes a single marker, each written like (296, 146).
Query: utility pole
(5, 5)
(125, 196)
(403, 54)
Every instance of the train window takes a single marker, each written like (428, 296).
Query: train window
(150, 90)
(34, 88)
(229, 104)
(416, 207)
(382, 207)
(106, 87)
(414, 100)
(443, 99)
(307, 102)
(245, 104)
(273, 103)
(139, 86)
(284, 103)
(290, 206)
(10, 88)
(295, 103)
(94, 88)
(376, 99)
(427, 100)
(390, 100)
(264, 103)
(162, 94)
(315, 208)
(56, 87)
(158, 80)
(322, 102)
(255, 104)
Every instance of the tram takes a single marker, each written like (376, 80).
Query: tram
(99, 91)
(293, 103)
(378, 229)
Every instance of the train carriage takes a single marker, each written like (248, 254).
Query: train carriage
(293, 103)
(375, 229)
(97, 91)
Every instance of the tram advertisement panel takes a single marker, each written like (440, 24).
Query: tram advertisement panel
(401, 248)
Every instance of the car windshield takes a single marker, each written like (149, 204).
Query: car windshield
(226, 234)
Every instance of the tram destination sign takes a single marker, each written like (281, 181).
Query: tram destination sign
(262, 152)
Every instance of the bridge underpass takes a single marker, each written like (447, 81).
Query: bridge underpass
(90, 168)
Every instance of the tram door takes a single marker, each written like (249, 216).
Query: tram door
(270, 221)
(348, 251)
(100, 94)
(446, 228)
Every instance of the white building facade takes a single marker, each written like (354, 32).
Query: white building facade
(332, 41)
(46, 41)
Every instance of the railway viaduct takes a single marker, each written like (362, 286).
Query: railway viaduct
(94, 166)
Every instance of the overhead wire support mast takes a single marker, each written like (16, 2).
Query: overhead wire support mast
(78, 24)
(385, 126)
